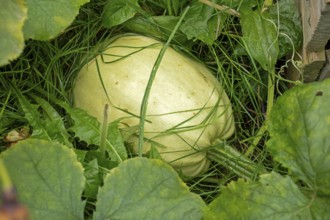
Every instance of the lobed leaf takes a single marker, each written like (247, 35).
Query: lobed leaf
(299, 124)
(141, 188)
(48, 179)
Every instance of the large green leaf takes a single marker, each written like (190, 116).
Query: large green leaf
(143, 188)
(260, 38)
(48, 18)
(299, 126)
(273, 197)
(48, 179)
(12, 16)
(118, 11)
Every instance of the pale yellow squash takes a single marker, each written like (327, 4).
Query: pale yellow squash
(187, 107)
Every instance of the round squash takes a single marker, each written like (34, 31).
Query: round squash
(187, 107)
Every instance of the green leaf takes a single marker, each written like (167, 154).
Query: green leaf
(116, 139)
(260, 38)
(49, 128)
(286, 13)
(53, 121)
(87, 128)
(48, 18)
(48, 179)
(118, 11)
(273, 197)
(299, 126)
(12, 16)
(141, 188)
(93, 180)
(203, 22)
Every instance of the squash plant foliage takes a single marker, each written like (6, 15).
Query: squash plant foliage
(30, 19)
(50, 179)
(57, 181)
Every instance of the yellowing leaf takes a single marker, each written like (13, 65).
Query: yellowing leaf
(299, 129)
(48, 18)
(12, 16)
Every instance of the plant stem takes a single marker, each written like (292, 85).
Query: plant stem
(255, 141)
(235, 161)
(221, 8)
(144, 104)
(104, 130)
(271, 90)
(270, 102)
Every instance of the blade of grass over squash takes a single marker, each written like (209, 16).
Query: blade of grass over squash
(144, 104)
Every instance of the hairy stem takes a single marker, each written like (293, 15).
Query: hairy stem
(235, 161)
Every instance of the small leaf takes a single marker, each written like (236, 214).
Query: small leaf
(53, 121)
(48, 179)
(203, 22)
(93, 180)
(87, 128)
(286, 12)
(260, 37)
(141, 188)
(273, 197)
(299, 126)
(118, 11)
(41, 128)
(12, 16)
(48, 18)
(116, 139)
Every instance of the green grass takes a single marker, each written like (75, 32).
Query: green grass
(48, 69)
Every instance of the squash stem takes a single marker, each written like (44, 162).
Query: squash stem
(235, 161)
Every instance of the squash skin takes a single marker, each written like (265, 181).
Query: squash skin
(187, 107)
